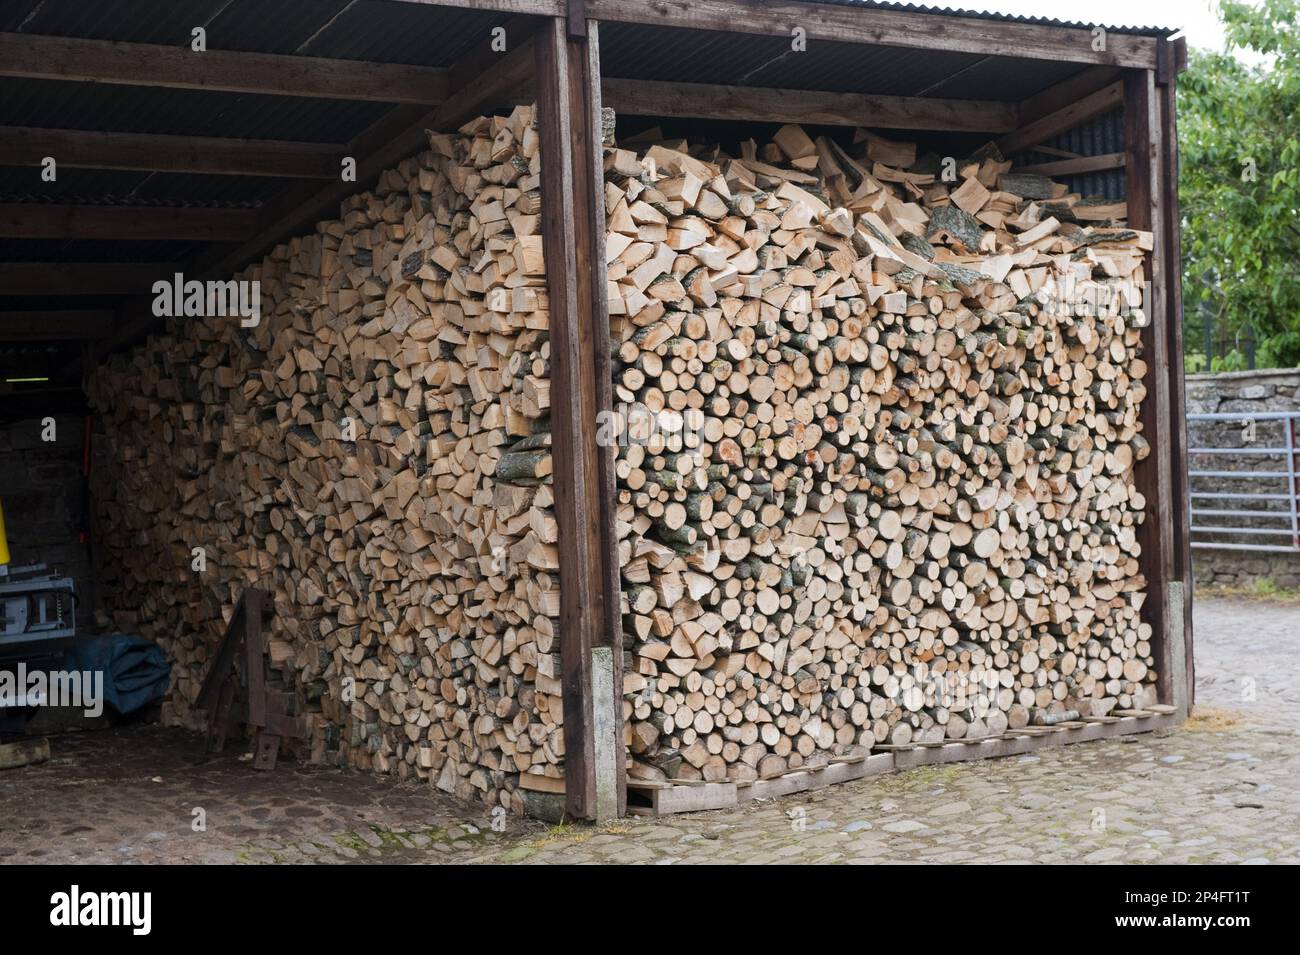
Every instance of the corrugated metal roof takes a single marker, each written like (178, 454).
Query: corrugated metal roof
(401, 32)
(634, 51)
(1102, 136)
(374, 30)
(1001, 17)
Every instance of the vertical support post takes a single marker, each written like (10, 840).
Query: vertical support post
(1154, 476)
(1173, 57)
(573, 231)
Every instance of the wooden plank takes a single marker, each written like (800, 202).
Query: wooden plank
(909, 29)
(1087, 81)
(1074, 167)
(82, 278)
(693, 798)
(1015, 743)
(1064, 119)
(81, 149)
(1153, 477)
(572, 481)
(254, 656)
(542, 784)
(51, 325)
(1172, 252)
(24, 753)
(33, 220)
(572, 233)
(227, 71)
(541, 8)
(1060, 153)
(762, 104)
(584, 51)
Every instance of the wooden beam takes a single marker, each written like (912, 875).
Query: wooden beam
(1172, 251)
(55, 325)
(79, 149)
(759, 104)
(541, 8)
(1064, 119)
(573, 229)
(39, 220)
(1070, 90)
(1060, 153)
(82, 278)
(227, 71)
(1074, 167)
(1153, 476)
(912, 30)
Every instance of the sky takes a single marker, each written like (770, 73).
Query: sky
(1195, 17)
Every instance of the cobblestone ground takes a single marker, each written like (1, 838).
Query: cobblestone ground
(1225, 788)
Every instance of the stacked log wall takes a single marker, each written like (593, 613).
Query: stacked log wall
(374, 452)
(878, 417)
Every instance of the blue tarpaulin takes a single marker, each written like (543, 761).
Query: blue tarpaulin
(135, 670)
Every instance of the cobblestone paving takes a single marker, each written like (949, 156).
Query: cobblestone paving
(1225, 788)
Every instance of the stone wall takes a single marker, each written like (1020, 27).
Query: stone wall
(1246, 393)
(41, 491)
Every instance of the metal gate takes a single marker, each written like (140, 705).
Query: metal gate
(1234, 504)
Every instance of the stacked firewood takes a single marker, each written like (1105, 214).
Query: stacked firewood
(376, 453)
(878, 416)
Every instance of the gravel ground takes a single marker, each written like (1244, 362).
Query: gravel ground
(1224, 788)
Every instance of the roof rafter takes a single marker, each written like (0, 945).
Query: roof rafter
(84, 149)
(151, 64)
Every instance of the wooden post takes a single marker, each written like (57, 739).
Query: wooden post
(1172, 60)
(1145, 157)
(573, 224)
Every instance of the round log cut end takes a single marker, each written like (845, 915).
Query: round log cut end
(917, 452)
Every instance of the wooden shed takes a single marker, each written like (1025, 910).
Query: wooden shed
(198, 138)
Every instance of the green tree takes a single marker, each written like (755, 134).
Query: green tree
(1239, 144)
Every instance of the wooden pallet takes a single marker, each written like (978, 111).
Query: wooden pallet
(662, 798)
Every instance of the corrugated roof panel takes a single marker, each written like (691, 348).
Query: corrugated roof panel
(1100, 137)
(14, 14)
(999, 17)
(259, 27)
(853, 68)
(375, 30)
(633, 51)
(139, 21)
(400, 33)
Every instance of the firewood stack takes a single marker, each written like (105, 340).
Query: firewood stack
(877, 419)
(376, 453)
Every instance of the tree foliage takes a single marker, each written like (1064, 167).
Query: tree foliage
(1239, 144)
